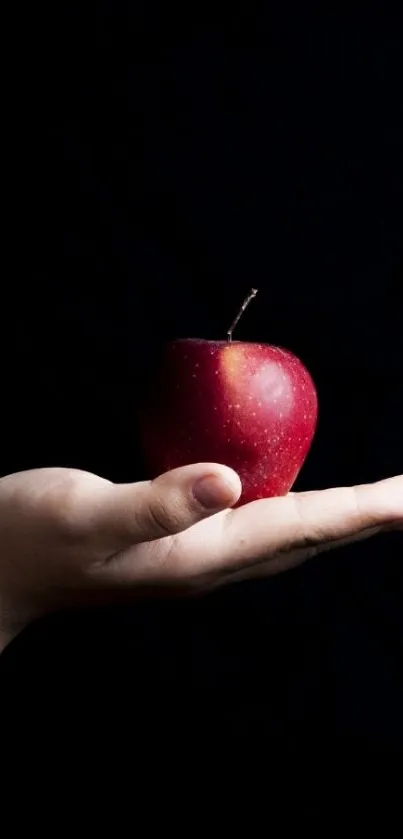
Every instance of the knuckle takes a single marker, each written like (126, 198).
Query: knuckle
(302, 539)
(307, 535)
(166, 515)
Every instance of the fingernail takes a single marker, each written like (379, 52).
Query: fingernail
(213, 492)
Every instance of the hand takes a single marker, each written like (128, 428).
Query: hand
(68, 537)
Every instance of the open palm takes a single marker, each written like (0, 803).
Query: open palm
(262, 538)
(70, 537)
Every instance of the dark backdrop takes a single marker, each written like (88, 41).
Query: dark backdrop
(263, 149)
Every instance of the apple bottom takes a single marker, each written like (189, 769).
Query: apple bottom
(271, 472)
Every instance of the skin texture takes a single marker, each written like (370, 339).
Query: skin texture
(251, 406)
(71, 538)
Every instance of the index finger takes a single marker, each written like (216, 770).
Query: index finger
(266, 528)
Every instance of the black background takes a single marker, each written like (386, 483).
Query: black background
(263, 148)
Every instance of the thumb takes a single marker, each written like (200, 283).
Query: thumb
(130, 513)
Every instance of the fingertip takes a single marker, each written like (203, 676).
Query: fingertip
(218, 489)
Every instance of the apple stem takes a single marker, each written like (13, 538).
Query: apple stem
(251, 295)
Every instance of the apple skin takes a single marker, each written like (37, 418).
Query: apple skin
(250, 406)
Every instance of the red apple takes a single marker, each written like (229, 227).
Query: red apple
(250, 406)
